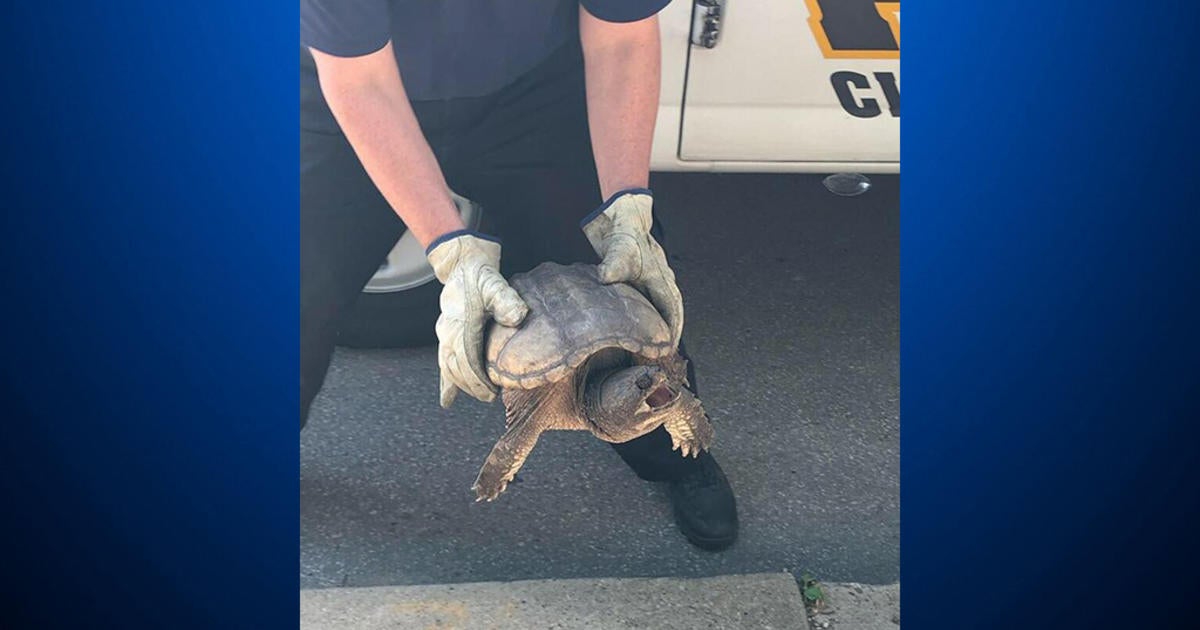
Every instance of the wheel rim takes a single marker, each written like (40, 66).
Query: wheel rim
(405, 267)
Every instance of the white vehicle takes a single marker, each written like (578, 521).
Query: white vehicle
(807, 86)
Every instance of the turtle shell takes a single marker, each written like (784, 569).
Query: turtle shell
(571, 317)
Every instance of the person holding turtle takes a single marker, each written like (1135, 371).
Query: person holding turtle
(538, 110)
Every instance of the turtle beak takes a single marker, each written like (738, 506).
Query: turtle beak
(661, 397)
(658, 393)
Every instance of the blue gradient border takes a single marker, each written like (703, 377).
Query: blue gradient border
(150, 301)
(1048, 314)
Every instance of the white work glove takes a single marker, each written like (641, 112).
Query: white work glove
(468, 264)
(619, 231)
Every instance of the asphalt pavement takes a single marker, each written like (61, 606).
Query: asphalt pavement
(792, 298)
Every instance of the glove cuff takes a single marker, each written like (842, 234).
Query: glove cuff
(452, 249)
(611, 200)
(457, 233)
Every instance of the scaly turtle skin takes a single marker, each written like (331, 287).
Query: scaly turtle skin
(588, 357)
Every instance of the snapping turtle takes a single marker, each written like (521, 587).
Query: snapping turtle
(588, 357)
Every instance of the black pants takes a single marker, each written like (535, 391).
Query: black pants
(523, 154)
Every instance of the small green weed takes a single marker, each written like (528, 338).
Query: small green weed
(811, 589)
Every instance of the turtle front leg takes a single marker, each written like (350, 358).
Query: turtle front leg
(506, 459)
(526, 414)
(688, 425)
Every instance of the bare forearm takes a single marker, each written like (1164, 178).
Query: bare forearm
(622, 73)
(379, 122)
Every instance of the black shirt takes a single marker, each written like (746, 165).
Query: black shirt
(456, 48)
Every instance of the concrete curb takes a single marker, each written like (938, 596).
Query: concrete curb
(766, 601)
(760, 601)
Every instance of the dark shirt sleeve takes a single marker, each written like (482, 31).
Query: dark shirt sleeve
(623, 10)
(344, 28)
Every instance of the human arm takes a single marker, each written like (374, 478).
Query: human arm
(366, 95)
(622, 69)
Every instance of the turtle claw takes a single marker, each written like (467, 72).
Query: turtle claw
(487, 490)
(691, 432)
(688, 447)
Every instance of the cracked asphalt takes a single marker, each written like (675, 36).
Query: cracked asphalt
(792, 298)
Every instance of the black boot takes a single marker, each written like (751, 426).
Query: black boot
(704, 506)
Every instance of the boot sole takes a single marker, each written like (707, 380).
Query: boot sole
(707, 543)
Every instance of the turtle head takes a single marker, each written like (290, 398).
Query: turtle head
(628, 403)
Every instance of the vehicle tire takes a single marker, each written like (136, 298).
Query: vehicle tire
(399, 306)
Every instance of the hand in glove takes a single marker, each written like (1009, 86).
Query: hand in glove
(468, 264)
(619, 231)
